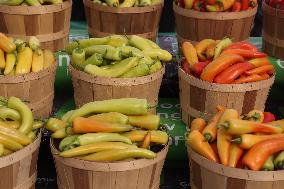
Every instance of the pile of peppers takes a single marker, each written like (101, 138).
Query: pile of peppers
(254, 141)
(109, 130)
(217, 5)
(17, 125)
(278, 4)
(225, 62)
(117, 56)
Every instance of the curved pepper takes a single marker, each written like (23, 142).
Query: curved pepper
(189, 53)
(111, 117)
(245, 53)
(147, 141)
(268, 165)
(260, 70)
(235, 155)
(54, 124)
(149, 121)
(260, 152)
(243, 45)
(237, 7)
(251, 78)
(218, 65)
(202, 46)
(257, 62)
(24, 63)
(10, 143)
(197, 124)
(254, 115)
(226, 4)
(121, 154)
(159, 137)
(268, 117)
(14, 134)
(8, 113)
(6, 44)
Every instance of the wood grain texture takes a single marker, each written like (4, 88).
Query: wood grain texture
(200, 98)
(103, 20)
(35, 88)
(211, 174)
(18, 170)
(273, 31)
(89, 88)
(49, 23)
(109, 175)
(195, 26)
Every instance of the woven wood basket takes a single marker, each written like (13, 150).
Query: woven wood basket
(204, 174)
(35, 88)
(50, 23)
(74, 173)
(199, 98)
(19, 169)
(195, 26)
(273, 31)
(104, 20)
(88, 88)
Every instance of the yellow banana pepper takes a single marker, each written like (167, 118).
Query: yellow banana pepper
(24, 61)
(38, 61)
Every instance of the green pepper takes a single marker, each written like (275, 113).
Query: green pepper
(25, 112)
(66, 141)
(86, 43)
(268, 165)
(156, 67)
(139, 42)
(128, 106)
(279, 161)
(95, 59)
(114, 71)
(158, 53)
(8, 113)
(140, 70)
(91, 138)
(117, 41)
(78, 58)
(107, 51)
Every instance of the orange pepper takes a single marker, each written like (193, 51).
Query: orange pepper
(147, 141)
(189, 53)
(260, 70)
(259, 153)
(235, 155)
(198, 124)
(251, 78)
(257, 62)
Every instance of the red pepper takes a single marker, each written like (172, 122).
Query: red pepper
(185, 66)
(199, 5)
(199, 67)
(251, 78)
(261, 69)
(233, 72)
(268, 117)
(245, 53)
(245, 4)
(211, 2)
(243, 45)
(237, 6)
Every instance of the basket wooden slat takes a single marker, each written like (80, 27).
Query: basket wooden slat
(19, 169)
(195, 26)
(273, 31)
(104, 20)
(50, 23)
(199, 98)
(35, 88)
(88, 88)
(73, 173)
(204, 174)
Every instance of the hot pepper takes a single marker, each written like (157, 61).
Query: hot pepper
(25, 112)
(224, 43)
(251, 78)
(87, 125)
(268, 117)
(279, 161)
(218, 65)
(147, 141)
(257, 62)
(185, 66)
(116, 155)
(197, 124)
(268, 165)
(260, 70)
(54, 124)
(197, 142)
(108, 52)
(149, 121)
(243, 45)
(254, 115)
(233, 72)
(226, 4)
(238, 127)
(159, 137)
(96, 147)
(246, 141)
(2, 60)
(235, 155)
(8, 113)
(199, 67)
(111, 117)
(189, 53)
(140, 70)
(128, 106)
(211, 2)
(10, 143)
(24, 63)
(199, 5)
(6, 44)
(188, 4)
(158, 53)
(214, 8)
(245, 4)
(202, 46)
(260, 152)
(245, 53)
(237, 6)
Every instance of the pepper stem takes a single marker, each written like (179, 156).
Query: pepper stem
(237, 140)
(226, 125)
(208, 137)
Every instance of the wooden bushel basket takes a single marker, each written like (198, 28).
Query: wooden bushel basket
(199, 98)
(73, 173)
(88, 88)
(206, 174)
(273, 31)
(19, 169)
(49, 23)
(195, 26)
(104, 20)
(35, 88)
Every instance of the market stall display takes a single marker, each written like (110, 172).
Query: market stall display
(234, 75)
(28, 72)
(200, 20)
(273, 35)
(49, 22)
(116, 66)
(246, 150)
(20, 139)
(123, 19)
(30, 2)
(112, 137)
